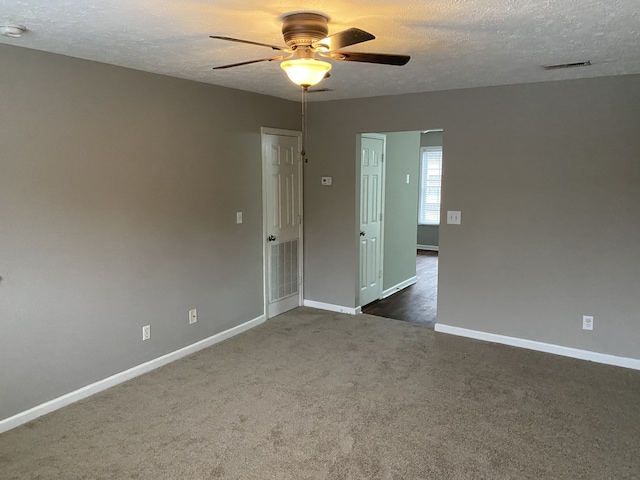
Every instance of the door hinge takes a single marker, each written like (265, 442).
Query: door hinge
(299, 219)
(379, 273)
(380, 217)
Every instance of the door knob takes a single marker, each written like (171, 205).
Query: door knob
(271, 238)
(362, 234)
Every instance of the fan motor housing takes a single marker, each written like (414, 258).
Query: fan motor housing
(304, 28)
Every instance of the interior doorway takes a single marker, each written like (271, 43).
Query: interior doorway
(411, 236)
(417, 303)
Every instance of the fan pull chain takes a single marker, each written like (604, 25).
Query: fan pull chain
(304, 124)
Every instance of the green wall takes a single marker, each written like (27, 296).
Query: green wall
(401, 208)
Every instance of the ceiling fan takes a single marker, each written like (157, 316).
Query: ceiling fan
(305, 34)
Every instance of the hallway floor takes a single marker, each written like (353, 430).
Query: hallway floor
(417, 303)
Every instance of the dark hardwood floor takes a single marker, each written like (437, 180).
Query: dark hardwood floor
(417, 303)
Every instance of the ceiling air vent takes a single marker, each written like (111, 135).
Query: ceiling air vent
(566, 65)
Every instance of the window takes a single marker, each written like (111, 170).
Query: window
(430, 182)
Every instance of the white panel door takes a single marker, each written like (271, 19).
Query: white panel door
(283, 246)
(371, 198)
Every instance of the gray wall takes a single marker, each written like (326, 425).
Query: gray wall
(118, 193)
(118, 198)
(548, 181)
(429, 234)
(400, 207)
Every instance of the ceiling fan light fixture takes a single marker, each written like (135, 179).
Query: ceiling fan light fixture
(306, 72)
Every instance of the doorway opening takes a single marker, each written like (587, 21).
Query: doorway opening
(416, 303)
(412, 175)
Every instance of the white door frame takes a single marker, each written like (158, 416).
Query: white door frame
(265, 258)
(382, 137)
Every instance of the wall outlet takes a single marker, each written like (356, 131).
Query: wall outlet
(146, 332)
(587, 322)
(193, 316)
(327, 181)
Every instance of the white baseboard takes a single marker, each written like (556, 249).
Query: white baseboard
(332, 308)
(402, 285)
(433, 248)
(84, 392)
(604, 358)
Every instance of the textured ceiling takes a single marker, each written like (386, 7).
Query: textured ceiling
(452, 43)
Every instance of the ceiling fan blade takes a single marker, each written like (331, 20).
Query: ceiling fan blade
(382, 58)
(270, 59)
(231, 39)
(344, 38)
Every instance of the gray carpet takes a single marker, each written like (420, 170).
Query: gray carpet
(315, 395)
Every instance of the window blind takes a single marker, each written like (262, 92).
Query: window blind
(430, 185)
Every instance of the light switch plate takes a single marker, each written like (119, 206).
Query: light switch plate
(453, 217)
(238, 217)
(327, 180)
